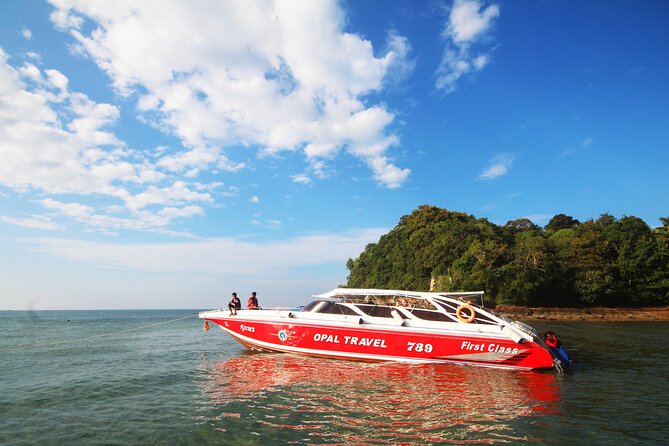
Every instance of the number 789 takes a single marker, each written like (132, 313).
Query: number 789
(419, 347)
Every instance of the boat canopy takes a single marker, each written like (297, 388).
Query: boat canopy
(363, 292)
(449, 304)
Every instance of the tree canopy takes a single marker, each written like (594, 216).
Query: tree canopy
(607, 262)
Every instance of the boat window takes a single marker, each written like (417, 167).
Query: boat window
(339, 309)
(317, 306)
(329, 307)
(376, 310)
(430, 315)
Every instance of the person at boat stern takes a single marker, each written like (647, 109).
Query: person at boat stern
(252, 303)
(557, 348)
(234, 304)
(551, 340)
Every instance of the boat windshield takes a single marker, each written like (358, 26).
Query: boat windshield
(329, 307)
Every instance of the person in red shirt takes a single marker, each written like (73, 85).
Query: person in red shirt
(557, 349)
(551, 340)
(252, 304)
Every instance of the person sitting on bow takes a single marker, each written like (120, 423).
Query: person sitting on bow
(234, 304)
(252, 304)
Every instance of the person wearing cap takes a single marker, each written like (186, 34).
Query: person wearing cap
(252, 304)
(234, 304)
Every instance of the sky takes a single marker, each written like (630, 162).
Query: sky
(163, 154)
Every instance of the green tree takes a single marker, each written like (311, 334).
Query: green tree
(591, 261)
(532, 275)
(521, 225)
(637, 258)
(659, 283)
(598, 262)
(560, 221)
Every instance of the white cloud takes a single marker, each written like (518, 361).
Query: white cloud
(388, 174)
(232, 191)
(33, 222)
(58, 80)
(469, 22)
(184, 212)
(255, 199)
(31, 72)
(499, 166)
(139, 220)
(75, 210)
(217, 255)
(58, 141)
(27, 34)
(587, 142)
(177, 193)
(401, 65)
(36, 150)
(301, 178)
(199, 158)
(320, 169)
(280, 75)
(269, 223)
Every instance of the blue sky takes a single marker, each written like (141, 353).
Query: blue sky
(165, 154)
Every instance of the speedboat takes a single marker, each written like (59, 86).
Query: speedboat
(392, 325)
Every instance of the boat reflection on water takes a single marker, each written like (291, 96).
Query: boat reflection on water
(375, 402)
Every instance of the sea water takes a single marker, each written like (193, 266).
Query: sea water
(155, 377)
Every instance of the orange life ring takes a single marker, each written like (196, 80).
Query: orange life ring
(469, 308)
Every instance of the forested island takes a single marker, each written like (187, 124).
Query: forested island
(605, 262)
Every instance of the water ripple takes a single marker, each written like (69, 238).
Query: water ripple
(176, 385)
(333, 401)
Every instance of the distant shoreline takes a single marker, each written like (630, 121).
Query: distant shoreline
(597, 314)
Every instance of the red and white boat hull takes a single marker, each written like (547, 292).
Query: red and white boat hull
(374, 343)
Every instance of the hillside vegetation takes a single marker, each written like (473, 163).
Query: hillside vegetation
(603, 262)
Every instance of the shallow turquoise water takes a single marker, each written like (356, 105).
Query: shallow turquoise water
(175, 384)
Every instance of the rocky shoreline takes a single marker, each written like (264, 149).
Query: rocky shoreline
(585, 314)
